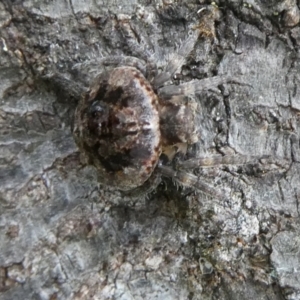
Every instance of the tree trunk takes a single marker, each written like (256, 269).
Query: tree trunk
(66, 236)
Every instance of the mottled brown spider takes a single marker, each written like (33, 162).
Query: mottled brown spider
(133, 114)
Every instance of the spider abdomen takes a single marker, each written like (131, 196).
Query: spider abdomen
(117, 128)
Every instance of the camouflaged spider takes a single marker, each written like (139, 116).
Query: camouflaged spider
(131, 115)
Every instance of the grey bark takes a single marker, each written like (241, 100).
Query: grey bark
(64, 236)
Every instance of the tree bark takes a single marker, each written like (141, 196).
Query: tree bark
(65, 236)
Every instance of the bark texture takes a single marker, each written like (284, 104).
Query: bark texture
(64, 236)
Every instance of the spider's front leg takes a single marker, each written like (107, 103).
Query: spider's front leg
(176, 60)
(187, 179)
(267, 161)
(196, 86)
(181, 173)
(218, 160)
(86, 74)
(93, 67)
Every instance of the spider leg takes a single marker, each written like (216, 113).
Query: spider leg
(77, 84)
(236, 160)
(196, 86)
(137, 42)
(71, 87)
(190, 180)
(216, 160)
(146, 189)
(176, 60)
(184, 178)
(90, 72)
(92, 66)
(139, 46)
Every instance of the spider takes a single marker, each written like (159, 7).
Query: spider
(132, 117)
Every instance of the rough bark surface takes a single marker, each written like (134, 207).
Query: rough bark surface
(64, 236)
